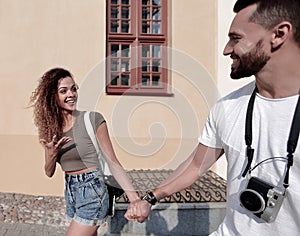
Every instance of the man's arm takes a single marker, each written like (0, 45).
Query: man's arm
(185, 175)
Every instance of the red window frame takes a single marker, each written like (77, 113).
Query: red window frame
(136, 47)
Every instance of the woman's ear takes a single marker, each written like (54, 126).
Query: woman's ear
(280, 33)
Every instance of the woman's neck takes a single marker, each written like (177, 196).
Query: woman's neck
(69, 119)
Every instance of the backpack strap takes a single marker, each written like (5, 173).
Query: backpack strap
(90, 130)
(91, 133)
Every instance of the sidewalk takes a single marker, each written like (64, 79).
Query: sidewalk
(17, 229)
(26, 215)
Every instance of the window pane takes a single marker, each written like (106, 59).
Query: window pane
(114, 65)
(156, 66)
(114, 1)
(146, 13)
(125, 2)
(125, 26)
(156, 51)
(156, 2)
(114, 79)
(145, 65)
(114, 12)
(114, 25)
(125, 80)
(146, 2)
(125, 65)
(145, 27)
(125, 50)
(156, 27)
(146, 51)
(125, 12)
(114, 50)
(145, 80)
(156, 14)
(156, 80)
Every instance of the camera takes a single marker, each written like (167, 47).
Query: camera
(262, 199)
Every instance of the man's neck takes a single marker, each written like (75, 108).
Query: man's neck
(280, 78)
(274, 93)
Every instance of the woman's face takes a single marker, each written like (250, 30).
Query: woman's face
(67, 94)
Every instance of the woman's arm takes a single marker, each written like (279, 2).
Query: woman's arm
(114, 165)
(51, 152)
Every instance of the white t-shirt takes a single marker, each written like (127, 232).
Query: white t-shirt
(225, 128)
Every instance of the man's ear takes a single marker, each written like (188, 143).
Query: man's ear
(280, 33)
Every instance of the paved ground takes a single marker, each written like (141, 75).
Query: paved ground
(28, 209)
(17, 229)
(28, 215)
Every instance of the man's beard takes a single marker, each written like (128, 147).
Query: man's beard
(250, 63)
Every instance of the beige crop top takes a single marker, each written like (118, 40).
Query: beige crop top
(80, 152)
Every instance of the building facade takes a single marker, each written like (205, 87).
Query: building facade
(171, 57)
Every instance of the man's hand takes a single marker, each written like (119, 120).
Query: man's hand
(138, 210)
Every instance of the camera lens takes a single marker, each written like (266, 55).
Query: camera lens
(252, 201)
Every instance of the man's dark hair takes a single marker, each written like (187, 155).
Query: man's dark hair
(269, 13)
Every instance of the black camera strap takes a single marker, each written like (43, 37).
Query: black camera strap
(248, 131)
(291, 144)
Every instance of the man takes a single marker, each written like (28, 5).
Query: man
(264, 41)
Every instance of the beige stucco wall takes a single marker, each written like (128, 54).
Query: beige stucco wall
(147, 132)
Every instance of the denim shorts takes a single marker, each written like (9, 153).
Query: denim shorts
(86, 198)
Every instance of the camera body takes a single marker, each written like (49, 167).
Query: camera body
(262, 199)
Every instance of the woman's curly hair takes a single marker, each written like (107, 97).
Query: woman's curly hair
(47, 114)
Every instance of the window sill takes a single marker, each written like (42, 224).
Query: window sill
(140, 93)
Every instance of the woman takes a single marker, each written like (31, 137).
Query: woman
(63, 135)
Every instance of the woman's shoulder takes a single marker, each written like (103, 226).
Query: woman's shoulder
(96, 115)
(92, 114)
(96, 118)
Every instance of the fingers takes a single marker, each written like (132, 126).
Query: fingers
(60, 142)
(141, 219)
(138, 211)
(131, 212)
(54, 139)
(54, 143)
(43, 142)
(63, 141)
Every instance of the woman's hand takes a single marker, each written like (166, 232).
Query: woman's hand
(52, 148)
(138, 210)
(51, 151)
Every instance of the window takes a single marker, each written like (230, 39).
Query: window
(136, 47)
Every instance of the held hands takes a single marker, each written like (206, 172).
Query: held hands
(138, 210)
(52, 148)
